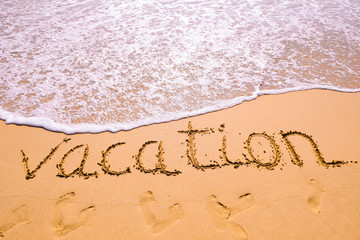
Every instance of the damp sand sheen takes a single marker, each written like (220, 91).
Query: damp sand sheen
(180, 120)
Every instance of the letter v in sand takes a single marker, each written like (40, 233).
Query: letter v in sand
(25, 160)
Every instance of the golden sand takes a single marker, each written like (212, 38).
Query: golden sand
(279, 167)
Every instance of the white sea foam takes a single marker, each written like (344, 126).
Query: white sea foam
(92, 66)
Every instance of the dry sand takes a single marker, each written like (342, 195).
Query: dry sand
(279, 167)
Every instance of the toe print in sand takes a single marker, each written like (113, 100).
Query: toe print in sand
(314, 202)
(69, 216)
(158, 225)
(18, 217)
(221, 214)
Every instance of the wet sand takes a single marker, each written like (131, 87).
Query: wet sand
(278, 167)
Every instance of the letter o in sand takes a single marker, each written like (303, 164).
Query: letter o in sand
(274, 160)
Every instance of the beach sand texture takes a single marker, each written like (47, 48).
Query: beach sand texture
(279, 167)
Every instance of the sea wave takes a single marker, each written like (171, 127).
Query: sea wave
(93, 66)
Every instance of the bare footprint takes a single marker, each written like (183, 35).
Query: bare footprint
(245, 202)
(222, 214)
(238, 230)
(315, 201)
(18, 218)
(218, 212)
(175, 213)
(65, 218)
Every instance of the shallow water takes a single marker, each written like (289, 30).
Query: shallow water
(91, 66)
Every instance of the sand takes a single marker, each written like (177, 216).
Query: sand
(279, 167)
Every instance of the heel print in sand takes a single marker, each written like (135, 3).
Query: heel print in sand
(175, 211)
(314, 202)
(67, 217)
(19, 217)
(221, 214)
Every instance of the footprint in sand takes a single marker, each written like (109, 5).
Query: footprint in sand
(222, 214)
(68, 217)
(18, 217)
(156, 226)
(315, 200)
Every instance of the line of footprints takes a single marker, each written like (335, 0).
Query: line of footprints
(221, 215)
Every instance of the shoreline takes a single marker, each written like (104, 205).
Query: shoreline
(139, 192)
(50, 125)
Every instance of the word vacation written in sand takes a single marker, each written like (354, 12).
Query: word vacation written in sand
(261, 151)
